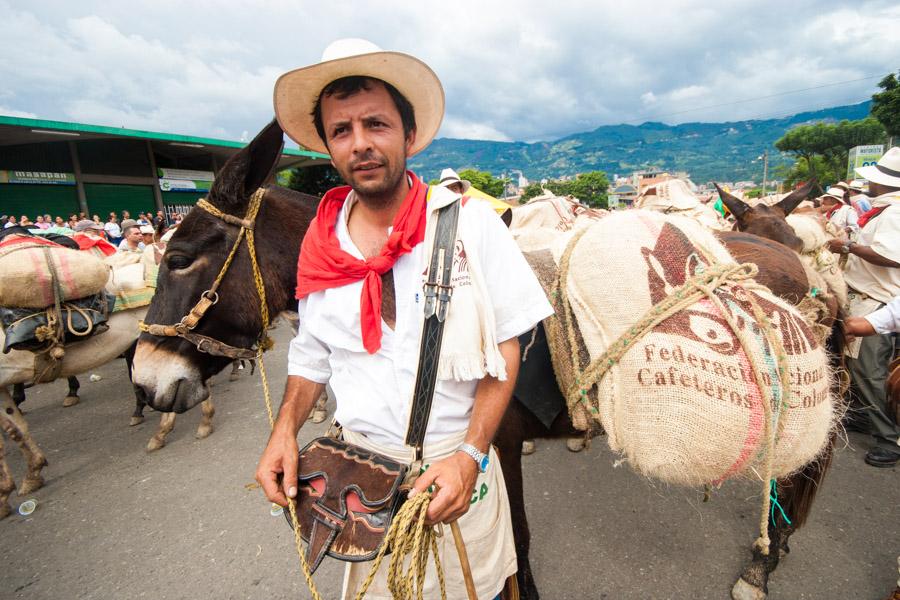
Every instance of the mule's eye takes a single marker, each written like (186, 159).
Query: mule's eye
(178, 261)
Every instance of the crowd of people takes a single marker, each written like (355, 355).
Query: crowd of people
(122, 234)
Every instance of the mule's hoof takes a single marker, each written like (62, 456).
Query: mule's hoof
(234, 377)
(527, 447)
(575, 444)
(744, 591)
(31, 484)
(136, 421)
(155, 444)
(5, 510)
(71, 401)
(203, 432)
(318, 416)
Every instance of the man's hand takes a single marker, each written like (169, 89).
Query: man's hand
(454, 479)
(277, 470)
(858, 327)
(836, 245)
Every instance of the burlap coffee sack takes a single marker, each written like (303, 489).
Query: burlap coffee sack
(675, 197)
(682, 404)
(538, 224)
(812, 231)
(27, 274)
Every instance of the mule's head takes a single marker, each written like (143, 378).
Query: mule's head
(768, 221)
(170, 370)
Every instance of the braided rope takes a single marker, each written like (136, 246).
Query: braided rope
(703, 284)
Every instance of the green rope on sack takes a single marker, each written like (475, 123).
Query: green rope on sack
(774, 497)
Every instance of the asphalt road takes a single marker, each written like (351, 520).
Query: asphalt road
(116, 522)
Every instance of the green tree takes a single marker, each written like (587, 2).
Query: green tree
(886, 105)
(484, 181)
(821, 150)
(532, 190)
(315, 180)
(591, 188)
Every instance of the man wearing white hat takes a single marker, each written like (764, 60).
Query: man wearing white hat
(359, 285)
(835, 206)
(873, 276)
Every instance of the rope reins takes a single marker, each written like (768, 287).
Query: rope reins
(408, 535)
(702, 285)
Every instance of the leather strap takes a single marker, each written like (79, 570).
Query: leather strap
(437, 302)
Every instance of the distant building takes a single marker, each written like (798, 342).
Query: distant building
(622, 195)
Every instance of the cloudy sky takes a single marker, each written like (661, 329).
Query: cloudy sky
(524, 70)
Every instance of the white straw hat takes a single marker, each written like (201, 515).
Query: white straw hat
(886, 171)
(449, 177)
(297, 91)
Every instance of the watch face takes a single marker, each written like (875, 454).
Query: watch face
(485, 461)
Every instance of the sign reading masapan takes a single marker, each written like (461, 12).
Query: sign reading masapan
(38, 177)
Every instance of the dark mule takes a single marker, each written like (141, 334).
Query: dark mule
(173, 373)
(170, 371)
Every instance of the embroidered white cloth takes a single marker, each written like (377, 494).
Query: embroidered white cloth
(486, 530)
(374, 391)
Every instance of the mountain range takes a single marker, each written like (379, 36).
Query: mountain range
(707, 151)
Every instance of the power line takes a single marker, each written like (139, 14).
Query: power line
(744, 101)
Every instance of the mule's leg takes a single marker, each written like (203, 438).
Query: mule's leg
(166, 425)
(319, 413)
(235, 366)
(140, 396)
(206, 427)
(13, 423)
(518, 425)
(7, 483)
(72, 398)
(18, 393)
(796, 495)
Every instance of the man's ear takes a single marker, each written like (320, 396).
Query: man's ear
(410, 141)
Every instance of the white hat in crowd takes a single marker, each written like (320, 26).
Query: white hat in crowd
(297, 91)
(886, 171)
(449, 177)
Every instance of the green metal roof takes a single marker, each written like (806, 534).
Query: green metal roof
(137, 133)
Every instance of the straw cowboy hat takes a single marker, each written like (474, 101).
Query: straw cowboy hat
(835, 192)
(449, 177)
(297, 91)
(886, 171)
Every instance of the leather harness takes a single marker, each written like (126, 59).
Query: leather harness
(184, 328)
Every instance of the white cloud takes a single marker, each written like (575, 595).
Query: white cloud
(524, 70)
(11, 112)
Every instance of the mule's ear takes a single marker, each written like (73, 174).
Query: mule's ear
(265, 150)
(738, 207)
(790, 202)
(247, 170)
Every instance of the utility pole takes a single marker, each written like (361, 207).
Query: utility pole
(765, 158)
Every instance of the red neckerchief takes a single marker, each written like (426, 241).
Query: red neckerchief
(869, 215)
(323, 264)
(86, 243)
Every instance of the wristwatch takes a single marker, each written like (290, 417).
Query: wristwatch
(845, 249)
(481, 459)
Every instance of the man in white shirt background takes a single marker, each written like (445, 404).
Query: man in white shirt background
(872, 274)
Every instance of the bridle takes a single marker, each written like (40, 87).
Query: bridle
(185, 327)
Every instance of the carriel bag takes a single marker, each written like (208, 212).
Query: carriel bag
(347, 495)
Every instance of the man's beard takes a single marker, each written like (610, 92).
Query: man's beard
(377, 194)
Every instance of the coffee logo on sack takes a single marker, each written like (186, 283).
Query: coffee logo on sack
(671, 263)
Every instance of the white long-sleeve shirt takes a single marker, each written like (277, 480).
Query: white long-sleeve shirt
(374, 391)
(887, 318)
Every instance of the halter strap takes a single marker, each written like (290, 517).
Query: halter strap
(184, 328)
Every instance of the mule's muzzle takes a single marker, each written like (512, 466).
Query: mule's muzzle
(167, 380)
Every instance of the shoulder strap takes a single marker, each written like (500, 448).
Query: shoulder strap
(437, 303)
